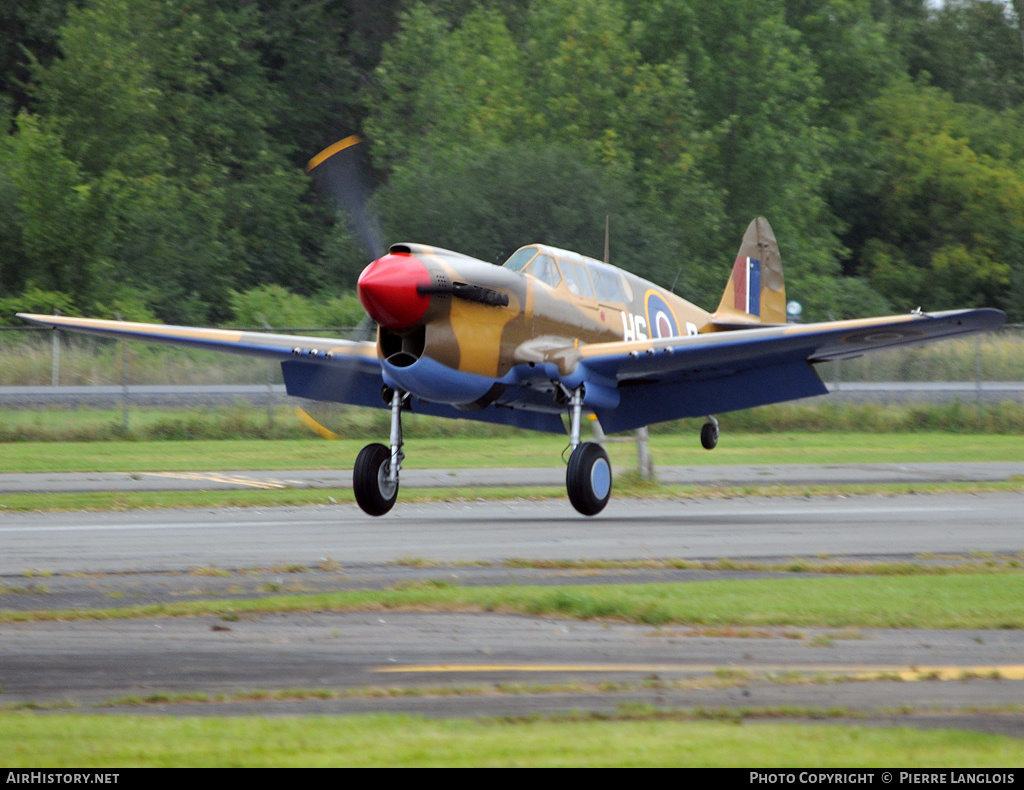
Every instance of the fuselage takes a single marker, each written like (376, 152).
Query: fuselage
(478, 318)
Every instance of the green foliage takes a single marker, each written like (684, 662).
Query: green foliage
(54, 216)
(151, 152)
(444, 89)
(948, 225)
(302, 47)
(34, 300)
(490, 205)
(760, 95)
(852, 53)
(274, 307)
(151, 161)
(28, 34)
(540, 138)
(973, 49)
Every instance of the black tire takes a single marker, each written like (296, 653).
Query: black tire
(375, 494)
(589, 478)
(709, 436)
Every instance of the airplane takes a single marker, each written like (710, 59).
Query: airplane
(551, 333)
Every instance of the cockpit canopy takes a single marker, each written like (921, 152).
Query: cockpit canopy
(584, 277)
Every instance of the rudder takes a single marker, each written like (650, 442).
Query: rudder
(756, 292)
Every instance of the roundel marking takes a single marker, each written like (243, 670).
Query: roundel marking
(660, 318)
(881, 337)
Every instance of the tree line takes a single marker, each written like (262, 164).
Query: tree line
(152, 159)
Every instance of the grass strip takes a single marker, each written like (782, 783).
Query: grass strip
(938, 565)
(724, 678)
(245, 421)
(635, 736)
(966, 601)
(522, 450)
(290, 497)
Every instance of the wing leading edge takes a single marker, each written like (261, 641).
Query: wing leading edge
(693, 376)
(324, 369)
(651, 380)
(233, 341)
(352, 368)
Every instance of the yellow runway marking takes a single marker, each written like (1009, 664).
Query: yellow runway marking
(215, 477)
(862, 671)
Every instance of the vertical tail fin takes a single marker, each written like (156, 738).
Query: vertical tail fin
(756, 292)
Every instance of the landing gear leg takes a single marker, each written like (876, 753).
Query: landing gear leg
(709, 434)
(589, 476)
(375, 476)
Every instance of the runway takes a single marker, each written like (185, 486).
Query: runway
(493, 531)
(463, 664)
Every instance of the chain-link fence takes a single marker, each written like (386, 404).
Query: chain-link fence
(992, 356)
(40, 356)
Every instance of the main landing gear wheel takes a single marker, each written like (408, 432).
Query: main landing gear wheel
(589, 478)
(371, 483)
(709, 435)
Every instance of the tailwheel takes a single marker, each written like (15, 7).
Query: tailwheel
(589, 478)
(372, 481)
(709, 434)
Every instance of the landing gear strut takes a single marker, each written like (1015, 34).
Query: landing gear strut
(589, 476)
(375, 475)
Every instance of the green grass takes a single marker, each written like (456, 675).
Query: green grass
(934, 565)
(243, 422)
(296, 497)
(72, 740)
(974, 600)
(520, 450)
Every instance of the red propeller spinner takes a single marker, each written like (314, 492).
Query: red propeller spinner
(389, 290)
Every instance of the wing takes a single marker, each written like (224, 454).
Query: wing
(317, 368)
(341, 371)
(669, 378)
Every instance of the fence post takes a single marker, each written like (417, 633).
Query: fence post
(977, 371)
(124, 380)
(124, 386)
(643, 455)
(270, 378)
(55, 367)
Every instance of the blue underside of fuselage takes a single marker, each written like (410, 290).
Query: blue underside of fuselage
(436, 390)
